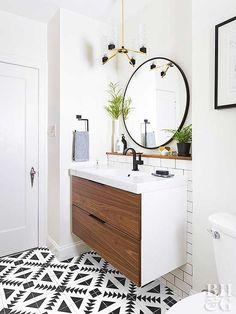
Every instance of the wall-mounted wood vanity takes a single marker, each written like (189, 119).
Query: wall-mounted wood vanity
(142, 235)
(109, 220)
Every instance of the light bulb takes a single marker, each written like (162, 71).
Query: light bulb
(142, 35)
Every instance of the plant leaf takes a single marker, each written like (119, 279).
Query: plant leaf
(182, 136)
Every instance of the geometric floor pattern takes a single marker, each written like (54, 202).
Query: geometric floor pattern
(34, 282)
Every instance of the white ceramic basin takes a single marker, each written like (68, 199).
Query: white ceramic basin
(132, 181)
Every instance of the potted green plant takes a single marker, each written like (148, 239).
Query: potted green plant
(115, 110)
(184, 139)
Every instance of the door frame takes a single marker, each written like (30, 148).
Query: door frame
(41, 67)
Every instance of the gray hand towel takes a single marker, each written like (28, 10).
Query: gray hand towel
(81, 146)
(151, 139)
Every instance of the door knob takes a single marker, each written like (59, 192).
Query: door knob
(32, 174)
(215, 234)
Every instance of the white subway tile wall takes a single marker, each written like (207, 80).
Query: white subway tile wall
(180, 280)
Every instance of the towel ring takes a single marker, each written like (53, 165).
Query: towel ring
(79, 118)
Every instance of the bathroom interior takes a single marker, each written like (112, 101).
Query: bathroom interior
(117, 153)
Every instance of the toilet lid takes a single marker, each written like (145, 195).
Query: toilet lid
(202, 303)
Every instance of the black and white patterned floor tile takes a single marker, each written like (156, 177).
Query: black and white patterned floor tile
(34, 282)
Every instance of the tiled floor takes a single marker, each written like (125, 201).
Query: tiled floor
(35, 282)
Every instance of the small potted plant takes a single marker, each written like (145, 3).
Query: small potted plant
(184, 140)
(115, 110)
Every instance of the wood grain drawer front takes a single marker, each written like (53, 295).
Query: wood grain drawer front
(119, 208)
(122, 251)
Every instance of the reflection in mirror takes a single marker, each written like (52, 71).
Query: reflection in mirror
(160, 100)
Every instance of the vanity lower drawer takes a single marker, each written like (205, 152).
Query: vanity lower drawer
(117, 248)
(119, 208)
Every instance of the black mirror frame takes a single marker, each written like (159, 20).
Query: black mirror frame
(217, 44)
(187, 100)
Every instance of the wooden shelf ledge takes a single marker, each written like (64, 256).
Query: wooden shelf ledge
(154, 156)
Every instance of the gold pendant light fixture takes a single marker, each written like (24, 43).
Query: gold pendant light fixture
(164, 68)
(123, 50)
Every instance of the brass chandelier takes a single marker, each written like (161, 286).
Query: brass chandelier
(123, 50)
(164, 68)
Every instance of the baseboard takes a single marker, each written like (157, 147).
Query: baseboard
(67, 251)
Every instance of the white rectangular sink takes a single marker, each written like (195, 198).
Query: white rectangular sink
(133, 181)
(161, 205)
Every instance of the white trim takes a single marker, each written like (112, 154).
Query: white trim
(67, 251)
(41, 66)
(43, 160)
(192, 292)
(22, 61)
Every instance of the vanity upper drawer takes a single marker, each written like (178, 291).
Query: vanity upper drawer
(119, 208)
(122, 251)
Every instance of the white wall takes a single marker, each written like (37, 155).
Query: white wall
(54, 120)
(214, 150)
(168, 34)
(79, 82)
(22, 37)
(24, 41)
(168, 27)
(84, 83)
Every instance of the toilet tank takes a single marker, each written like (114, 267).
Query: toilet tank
(223, 227)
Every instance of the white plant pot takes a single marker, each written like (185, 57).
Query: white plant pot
(115, 134)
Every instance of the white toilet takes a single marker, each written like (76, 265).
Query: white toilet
(223, 229)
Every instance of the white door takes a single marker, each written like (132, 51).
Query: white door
(18, 154)
(166, 113)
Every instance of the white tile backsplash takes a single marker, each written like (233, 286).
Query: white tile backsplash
(188, 174)
(146, 168)
(176, 171)
(169, 277)
(161, 168)
(189, 258)
(168, 163)
(162, 280)
(184, 164)
(190, 186)
(190, 196)
(174, 288)
(182, 285)
(178, 273)
(156, 162)
(146, 161)
(189, 248)
(189, 237)
(189, 227)
(187, 268)
(179, 280)
(190, 207)
(189, 217)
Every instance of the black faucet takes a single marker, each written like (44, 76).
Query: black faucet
(135, 161)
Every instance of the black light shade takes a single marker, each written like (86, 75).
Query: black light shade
(143, 49)
(104, 59)
(163, 74)
(132, 61)
(153, 66)
(111, 46)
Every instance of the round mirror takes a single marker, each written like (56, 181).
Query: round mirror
(158, 97)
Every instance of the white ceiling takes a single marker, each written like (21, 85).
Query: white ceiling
(43, 10)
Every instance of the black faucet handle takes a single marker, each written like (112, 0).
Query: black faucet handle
(140, 161)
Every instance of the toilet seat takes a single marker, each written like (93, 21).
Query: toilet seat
(196, 304)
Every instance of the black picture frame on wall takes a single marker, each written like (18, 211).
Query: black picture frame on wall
(225, 64)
